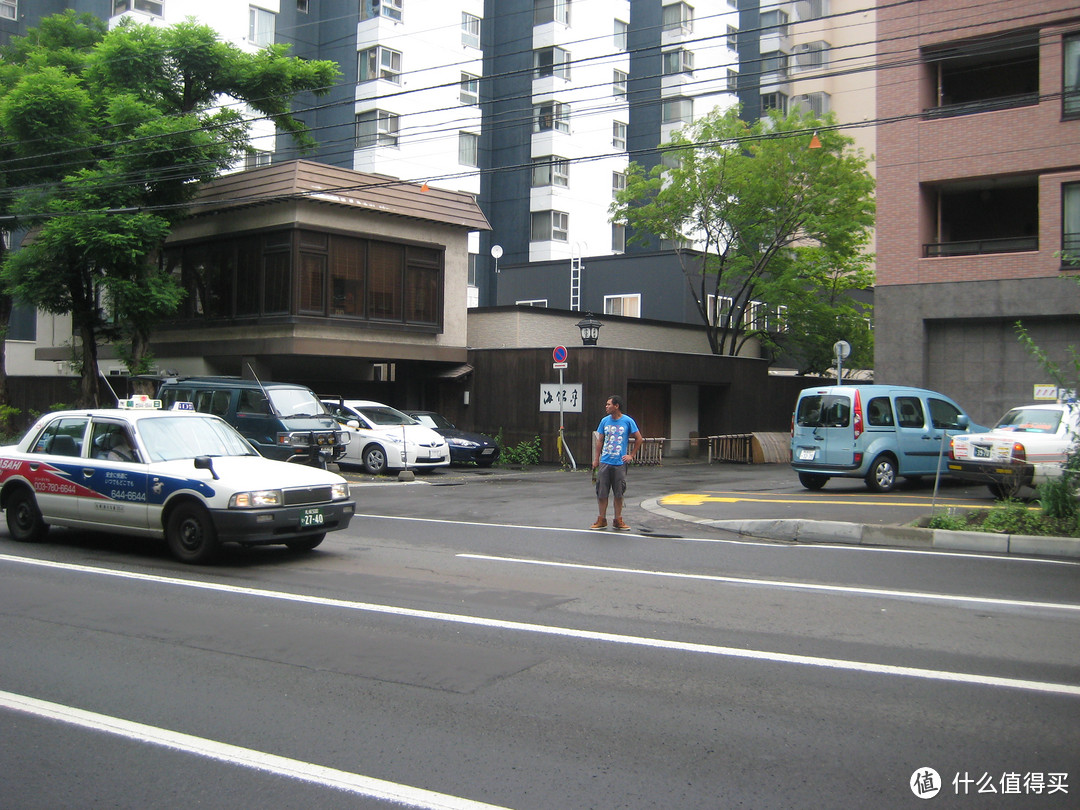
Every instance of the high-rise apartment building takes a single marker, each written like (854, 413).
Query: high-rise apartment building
(978, 196)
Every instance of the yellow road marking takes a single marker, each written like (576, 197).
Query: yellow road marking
(699, 498)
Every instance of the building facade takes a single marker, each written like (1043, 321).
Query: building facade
(978, 196)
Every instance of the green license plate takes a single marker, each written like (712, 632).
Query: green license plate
(312, 517)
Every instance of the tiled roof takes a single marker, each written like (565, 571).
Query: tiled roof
(303, 179)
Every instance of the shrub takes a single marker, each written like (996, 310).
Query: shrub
(525, 453)
(1013, 517)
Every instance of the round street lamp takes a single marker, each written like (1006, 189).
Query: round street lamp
(590, 329)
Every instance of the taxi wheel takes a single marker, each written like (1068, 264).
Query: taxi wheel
(191, 534)
(305, 543)
(374, 459)
(24, 518)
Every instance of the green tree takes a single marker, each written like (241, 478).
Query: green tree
(777, 221)
(131, 121)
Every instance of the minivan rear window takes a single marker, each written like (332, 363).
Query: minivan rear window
(823, 410)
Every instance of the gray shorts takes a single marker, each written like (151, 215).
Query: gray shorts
(610, 478)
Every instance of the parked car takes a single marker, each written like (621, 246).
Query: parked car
(188, 477)
(1027, 446)
(284, 421)
(465, 447)
(879, 433)
(385, 438)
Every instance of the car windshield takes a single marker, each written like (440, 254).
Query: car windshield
(385, 415)
(1030, 420)
(434, 420)
(295, 402)
(168, 438)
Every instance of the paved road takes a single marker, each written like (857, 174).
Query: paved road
(469, 641)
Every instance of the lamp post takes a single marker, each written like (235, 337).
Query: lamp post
(590, 329)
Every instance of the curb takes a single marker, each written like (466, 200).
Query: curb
(830, 531)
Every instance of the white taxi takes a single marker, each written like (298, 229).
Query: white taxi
(186, 476)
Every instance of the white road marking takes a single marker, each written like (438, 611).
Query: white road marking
(244, 757)
(779, 583)
(1071, 690)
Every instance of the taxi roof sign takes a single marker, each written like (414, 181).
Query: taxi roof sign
(140, 402)
(180, 405)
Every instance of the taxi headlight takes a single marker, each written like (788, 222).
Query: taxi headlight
(258, 499)
(340, 491)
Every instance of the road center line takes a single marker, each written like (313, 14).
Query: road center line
(566, 632)
(779, 583)
(244, 757)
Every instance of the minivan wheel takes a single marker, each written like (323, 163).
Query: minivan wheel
(882, 475)
(814, 481)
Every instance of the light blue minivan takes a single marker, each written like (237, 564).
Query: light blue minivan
(879, 433)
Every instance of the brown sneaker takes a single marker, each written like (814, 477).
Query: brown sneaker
(601, 523)
(618, 523)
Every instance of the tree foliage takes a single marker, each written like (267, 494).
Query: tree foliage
(109, 135)
(775, 221)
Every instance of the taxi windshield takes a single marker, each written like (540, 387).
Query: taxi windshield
(168, 438)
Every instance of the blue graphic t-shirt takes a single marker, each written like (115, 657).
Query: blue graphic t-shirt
(615, 434)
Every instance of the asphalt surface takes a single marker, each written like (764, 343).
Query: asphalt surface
(685, 497)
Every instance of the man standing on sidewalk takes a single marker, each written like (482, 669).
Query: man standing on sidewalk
(611, 454)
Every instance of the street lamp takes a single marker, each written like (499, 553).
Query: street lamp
(590, 329)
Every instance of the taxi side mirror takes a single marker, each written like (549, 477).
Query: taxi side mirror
(204, 463)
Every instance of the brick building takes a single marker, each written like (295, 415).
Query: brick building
(978, 195)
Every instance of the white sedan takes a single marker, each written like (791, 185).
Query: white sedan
(1027, 446)
(188, 477)
(384, 438)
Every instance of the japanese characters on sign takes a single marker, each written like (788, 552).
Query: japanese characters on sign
(568, 395)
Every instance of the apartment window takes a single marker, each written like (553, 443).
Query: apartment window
(470, 89)
(550, 171)
(470, 30)
(816, 103)
(376, 128)
(678, 17)
(719, 309)
(618, 135)
(1071, 96)
(301, 6)
(618, 183)
(732, 80)
(811, 9)
(733, 37)
(811, 55)
(775, 62)
(257, 159)
(550, 226)
(1070, 227)
(774, 101)
(677, 109)
(629, 306)
(379, 63)
(679, 61)
(618, 238)
(545, 11)
(622, 31)
(551, 62)
(551, 116)
(260, 25)
(774, 23)
(984, 75)
(468, 149)
(9, 8)
(370, 9)
(995, 215)
(532, 302)
(618, 84)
